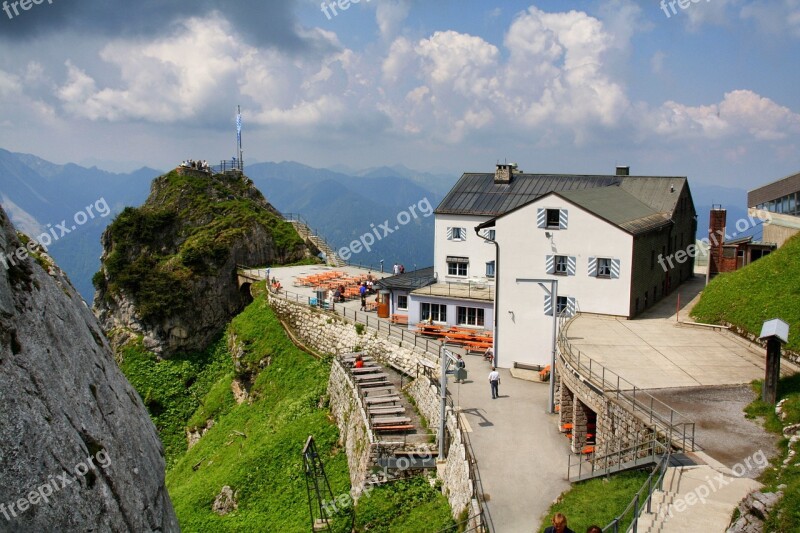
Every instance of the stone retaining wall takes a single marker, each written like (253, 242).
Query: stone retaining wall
(329, 333)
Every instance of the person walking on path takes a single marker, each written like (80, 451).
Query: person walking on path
(559, 525)
(494, 382)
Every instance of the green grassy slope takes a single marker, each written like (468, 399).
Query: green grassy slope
(255, 448)
(768, 288)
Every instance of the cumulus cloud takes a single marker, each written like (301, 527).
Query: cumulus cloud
(741, 113)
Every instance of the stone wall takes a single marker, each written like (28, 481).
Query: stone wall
(354, 434)
(329, 333)
(616, 428)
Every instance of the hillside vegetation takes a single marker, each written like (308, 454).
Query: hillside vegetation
(255, 447)
(766, 289)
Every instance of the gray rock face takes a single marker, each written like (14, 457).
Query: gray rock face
(78, 451)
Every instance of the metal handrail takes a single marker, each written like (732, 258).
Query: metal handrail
(677, 427)
(636, 505)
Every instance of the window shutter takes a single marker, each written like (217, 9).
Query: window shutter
(562, 219)
(548, 304)
(462, 234)
(541, 217)
(615, 268)
(572, 306)
(593, 267)
(449, 234)
(572, 264)
(550, 264)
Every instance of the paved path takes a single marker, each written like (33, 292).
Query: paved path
(521, 455)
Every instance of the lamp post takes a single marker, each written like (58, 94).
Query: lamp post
(553, 292)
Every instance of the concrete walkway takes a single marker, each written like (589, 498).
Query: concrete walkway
(521, 455)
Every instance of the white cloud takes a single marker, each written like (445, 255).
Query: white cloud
(390, 15)
(741, 113)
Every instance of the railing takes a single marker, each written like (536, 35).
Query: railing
(580, 468)
(484, 515)
(228, 165)
(466, 289)
(643, 498)
(676, 428)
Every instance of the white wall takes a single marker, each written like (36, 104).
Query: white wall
(415, 301)
(477, 249)
(524, 330)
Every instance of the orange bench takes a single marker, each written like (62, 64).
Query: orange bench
(399, 319)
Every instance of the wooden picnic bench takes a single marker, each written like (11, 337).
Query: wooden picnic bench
(390, 420)
(367, 369)
(401, 427)
(399, 319)
(378, 411)
(371, 376)
(370, 384)
(382, 399)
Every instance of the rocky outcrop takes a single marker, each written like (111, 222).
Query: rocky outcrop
(78, 451)
(753, 511)
(169, 268)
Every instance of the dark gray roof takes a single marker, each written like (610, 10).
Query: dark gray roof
(408, 280)
(477, 194)
(618, 207)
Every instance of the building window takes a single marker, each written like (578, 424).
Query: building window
(469, 316)
(561, 265)
(456, 234)
(561, 304)
(603, 267)
(435, 312)
(490, 269)
(457, 269)
(553, 218)
(728, 252)
(402, 301)
(488, 234)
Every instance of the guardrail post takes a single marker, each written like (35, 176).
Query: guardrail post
(635, 512)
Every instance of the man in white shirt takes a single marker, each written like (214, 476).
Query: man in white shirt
(494, 381)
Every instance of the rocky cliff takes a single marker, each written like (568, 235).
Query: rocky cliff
(78, 451)
(169, 267)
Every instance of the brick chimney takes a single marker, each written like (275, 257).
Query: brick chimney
(503, 173)
(716, 237)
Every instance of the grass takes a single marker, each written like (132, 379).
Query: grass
(597, 501)
(761, 291)
(406, 506)
(174, 389)
(785, 516)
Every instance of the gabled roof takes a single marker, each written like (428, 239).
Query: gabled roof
(478, 194)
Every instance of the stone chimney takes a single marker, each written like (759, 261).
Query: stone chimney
(503, 173)
(716, 237)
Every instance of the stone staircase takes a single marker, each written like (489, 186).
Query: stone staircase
(307, 234)
(695, 498)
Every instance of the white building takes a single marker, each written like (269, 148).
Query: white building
(608, 241)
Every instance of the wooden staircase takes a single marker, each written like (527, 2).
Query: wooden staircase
(307, 234)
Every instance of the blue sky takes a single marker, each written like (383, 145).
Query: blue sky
(450, 86)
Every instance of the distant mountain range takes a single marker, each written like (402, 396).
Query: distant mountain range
(342, 205)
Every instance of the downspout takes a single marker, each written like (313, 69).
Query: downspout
(495, 335)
